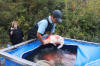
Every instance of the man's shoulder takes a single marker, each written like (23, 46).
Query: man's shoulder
(43, 21)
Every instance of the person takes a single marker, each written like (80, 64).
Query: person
(16, 35)
(55, 39)
(46, 25)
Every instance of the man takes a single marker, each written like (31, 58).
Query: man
(46, 25)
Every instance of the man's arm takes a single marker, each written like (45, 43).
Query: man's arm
(41, 30)
(40, 37)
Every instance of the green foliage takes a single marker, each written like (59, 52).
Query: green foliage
(26, 12)
(81, 18)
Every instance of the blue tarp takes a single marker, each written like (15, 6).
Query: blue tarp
(87, 53)
(25, 48)
(11, 63)
(88, 56)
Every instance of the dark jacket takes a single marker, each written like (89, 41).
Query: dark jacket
(16, 37)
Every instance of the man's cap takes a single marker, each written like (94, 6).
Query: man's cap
(58, 15)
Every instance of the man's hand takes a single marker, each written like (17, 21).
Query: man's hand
(46, 41)
(40, 38)
(50, 34)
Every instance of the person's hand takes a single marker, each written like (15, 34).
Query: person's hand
(46, 42)
(43, 43)
(12, 28)
(11, 32)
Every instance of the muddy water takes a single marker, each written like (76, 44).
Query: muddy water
(68, 60)
(49, 55)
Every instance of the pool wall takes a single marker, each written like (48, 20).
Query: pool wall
(87, 52)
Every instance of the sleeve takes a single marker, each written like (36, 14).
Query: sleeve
(42, 26)
(53, 29)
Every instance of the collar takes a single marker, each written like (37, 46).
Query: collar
(50, 20)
